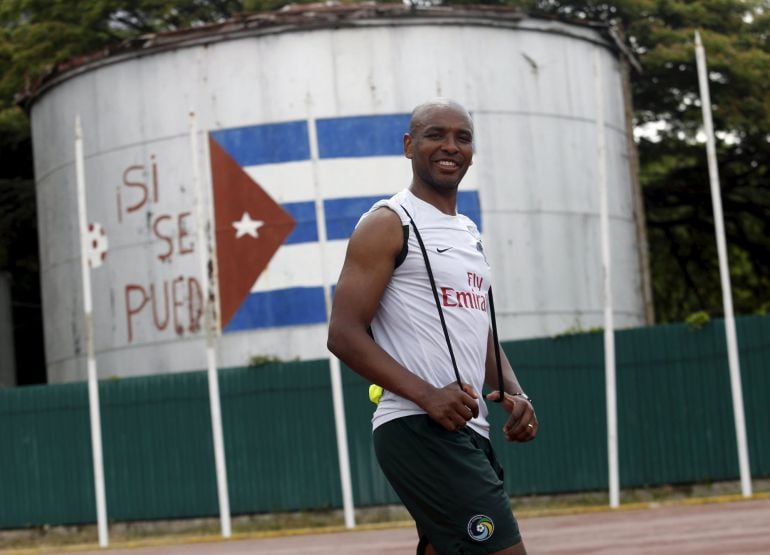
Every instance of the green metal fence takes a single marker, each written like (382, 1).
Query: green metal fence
(158, 451)
(675, 419)
(45, 456)
(674, 408)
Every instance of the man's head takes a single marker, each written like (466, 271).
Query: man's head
(439, 144)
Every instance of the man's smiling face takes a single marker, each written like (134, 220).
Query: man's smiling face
(440, 145)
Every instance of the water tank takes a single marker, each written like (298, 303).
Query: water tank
(309, 106)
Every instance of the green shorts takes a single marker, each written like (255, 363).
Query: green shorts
(451, 484)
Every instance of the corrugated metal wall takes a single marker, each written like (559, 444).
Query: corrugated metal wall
(754, 335)
(369, 485)
(158, 451)
(45, 456)
(674, 406)
(565, 378)
(675, 417)
(279, 436)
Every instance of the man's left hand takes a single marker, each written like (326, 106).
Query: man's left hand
(522, 424)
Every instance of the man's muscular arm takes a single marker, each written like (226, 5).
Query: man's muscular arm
(368, 267)
(522, 423)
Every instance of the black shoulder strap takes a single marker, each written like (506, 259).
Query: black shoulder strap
(435, 296)
(500, 384)
(443, 322)
(405, 248)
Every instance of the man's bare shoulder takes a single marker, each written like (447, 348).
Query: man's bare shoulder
(383, 215)
(381, 228)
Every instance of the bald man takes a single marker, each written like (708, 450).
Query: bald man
(395, 325)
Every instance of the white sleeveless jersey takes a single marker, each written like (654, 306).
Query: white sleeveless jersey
(407, 323)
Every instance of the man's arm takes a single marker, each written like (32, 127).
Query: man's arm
(522, 423)
(368, 267)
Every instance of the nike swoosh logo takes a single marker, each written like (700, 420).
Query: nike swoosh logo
(443, 250)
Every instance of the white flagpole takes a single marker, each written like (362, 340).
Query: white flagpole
(334, 363)
(724, 272)
(93, 384)
(609, 329)
(210, 323)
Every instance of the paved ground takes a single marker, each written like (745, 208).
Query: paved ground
(732, 528)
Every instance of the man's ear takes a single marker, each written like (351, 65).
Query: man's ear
(408, 145)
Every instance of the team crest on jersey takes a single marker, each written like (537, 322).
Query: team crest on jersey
(481, 528)
(479, 245)
(480, 248)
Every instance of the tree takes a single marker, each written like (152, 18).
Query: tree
(673, 171)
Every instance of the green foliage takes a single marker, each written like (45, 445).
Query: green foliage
(261, 360)
(40, 33)
(578, 329)
(17, 218)
(674, 174)
(15, 144)
(697, 320)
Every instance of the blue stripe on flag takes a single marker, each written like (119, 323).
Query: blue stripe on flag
(353, 137)
(282, 307)
(306, 230)
(269, 143)
(342, 214)
(468, 204)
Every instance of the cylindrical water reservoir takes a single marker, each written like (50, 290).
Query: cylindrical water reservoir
(310, 105)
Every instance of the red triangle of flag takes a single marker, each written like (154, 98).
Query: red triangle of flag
(250, 228)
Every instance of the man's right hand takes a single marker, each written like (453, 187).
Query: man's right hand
(451, 406)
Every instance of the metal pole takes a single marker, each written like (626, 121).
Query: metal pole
(93, 384)
(609, 330)
(724, 273)
(334, 363)
(209, 322)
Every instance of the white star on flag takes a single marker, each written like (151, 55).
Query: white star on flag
(247, 226)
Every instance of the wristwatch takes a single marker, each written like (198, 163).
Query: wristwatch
(522, 395)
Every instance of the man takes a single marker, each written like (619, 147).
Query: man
(430, 426)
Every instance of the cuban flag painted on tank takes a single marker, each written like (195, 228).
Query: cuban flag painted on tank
(265, 179)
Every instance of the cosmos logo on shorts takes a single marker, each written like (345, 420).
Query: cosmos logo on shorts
(481, 528)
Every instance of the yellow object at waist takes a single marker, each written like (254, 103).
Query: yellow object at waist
(375, 392)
